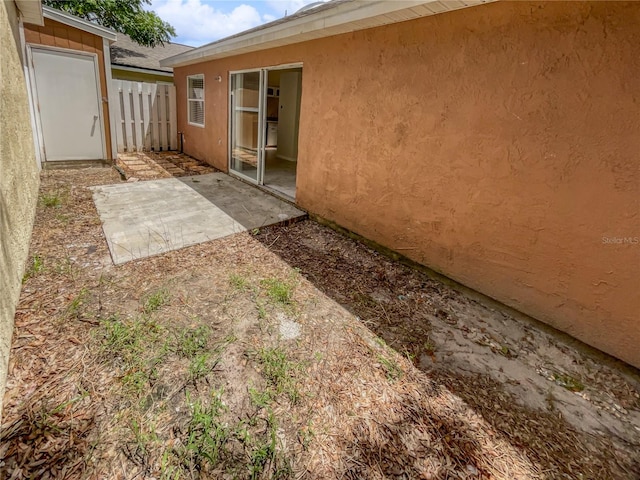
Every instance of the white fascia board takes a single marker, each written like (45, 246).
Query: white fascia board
(79, 23)
(343, 18)
(150, 71)
(31, 11)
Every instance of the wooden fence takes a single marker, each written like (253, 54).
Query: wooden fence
(147, 116)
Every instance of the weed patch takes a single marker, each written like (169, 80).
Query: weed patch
(567, 381)
(206, 434)
(201, 365)
(192, 341)
(238, 281)
(391, 368)
(74, 309)
(156, 300)
(129, 342)
(51, 200)
(279, 292)
(259, 398)
(35, 267)
(279, 372)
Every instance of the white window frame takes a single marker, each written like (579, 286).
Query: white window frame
(199, 76)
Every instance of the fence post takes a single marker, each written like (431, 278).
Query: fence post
(147, 118)
(173, 122)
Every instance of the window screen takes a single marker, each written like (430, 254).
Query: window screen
(195, 99)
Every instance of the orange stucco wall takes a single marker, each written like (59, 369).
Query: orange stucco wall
(56, 34)
(499, 145)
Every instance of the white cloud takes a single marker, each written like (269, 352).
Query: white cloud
(197, 23)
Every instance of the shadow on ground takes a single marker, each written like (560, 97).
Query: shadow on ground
(398, 304)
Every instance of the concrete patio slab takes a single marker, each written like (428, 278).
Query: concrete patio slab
(148, 218)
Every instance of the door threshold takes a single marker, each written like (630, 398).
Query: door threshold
(64, 164)
(270, 190)
(279, 194)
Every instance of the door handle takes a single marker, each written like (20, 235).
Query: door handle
(93, 125)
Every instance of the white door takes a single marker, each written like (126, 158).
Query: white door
(69, 102)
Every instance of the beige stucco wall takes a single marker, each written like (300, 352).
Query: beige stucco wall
(19, 178)
(497, 144)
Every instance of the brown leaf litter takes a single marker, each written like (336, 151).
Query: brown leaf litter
(293, 352)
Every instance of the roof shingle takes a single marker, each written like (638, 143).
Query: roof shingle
(127, 53)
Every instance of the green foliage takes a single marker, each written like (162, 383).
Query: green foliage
(155, 301)
(192, 341)
(125, 338)
(429, 347)
(278, 291)
(73, 309)
(52, 200)
(238, 281)
(143, 434)
(130, 341)
(279, 371)
(124, 16)
(206, 433)
(259, 398)
(36, 267)
(391, 368)
(306, 436)
(200, 366)
(264, 452)
(567, 381)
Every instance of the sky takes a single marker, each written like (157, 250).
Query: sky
(198, 22)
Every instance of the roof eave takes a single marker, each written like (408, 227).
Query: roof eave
(79, 23)
(150, 71)
(343, 18)
(31, 11)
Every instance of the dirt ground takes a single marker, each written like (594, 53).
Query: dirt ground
(289, 352)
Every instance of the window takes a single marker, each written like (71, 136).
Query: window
(195, 99)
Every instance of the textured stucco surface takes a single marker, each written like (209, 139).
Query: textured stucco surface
(498, 145)
(56, 34)
(19, 178)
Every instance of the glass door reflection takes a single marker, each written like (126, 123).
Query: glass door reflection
(246, 125)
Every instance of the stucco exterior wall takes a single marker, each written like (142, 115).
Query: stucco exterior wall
(19, 178)
(56, 34)
(497, 144)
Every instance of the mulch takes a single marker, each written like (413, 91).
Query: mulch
(385, 391)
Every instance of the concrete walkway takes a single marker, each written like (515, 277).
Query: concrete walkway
(148, 218)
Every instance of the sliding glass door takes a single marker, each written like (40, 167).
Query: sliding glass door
(246, 122)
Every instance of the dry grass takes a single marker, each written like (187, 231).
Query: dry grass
(178, 366)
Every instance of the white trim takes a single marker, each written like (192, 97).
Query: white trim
(111, 99)
(204, 110)
(31, 11)
(343, 17)
(160, 73)
(79, 23)
(67, 51)
(231, 114)
(32, 112)
(282, 66)
(40, 152)
(262, 119)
